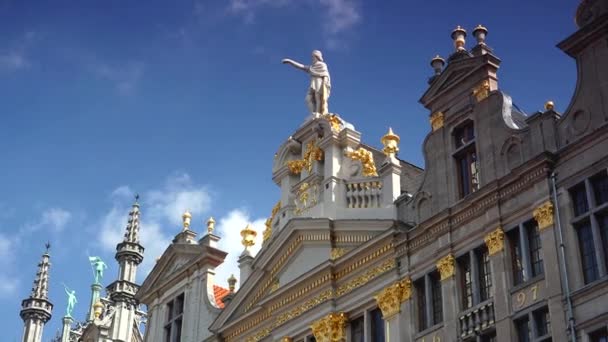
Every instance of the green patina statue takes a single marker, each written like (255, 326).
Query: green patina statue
(71, 300)
(98, 267)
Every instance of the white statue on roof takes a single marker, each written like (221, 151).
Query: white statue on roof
(320, 83)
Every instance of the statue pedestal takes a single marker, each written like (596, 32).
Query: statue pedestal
(95, 295)
(67, 326)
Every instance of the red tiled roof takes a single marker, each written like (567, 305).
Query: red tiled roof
(219, 293)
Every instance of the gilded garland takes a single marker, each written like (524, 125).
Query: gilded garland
(312, 153)
(367, 161)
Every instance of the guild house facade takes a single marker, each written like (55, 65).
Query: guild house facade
(502, 237)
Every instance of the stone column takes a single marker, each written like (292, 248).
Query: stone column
(543, 215)
(390, 172)
(67, 326)
(447, 270)
(390, 301)
(500, 283)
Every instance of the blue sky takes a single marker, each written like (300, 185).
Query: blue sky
(186, 102)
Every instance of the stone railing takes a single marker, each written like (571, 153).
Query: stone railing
(364, 194)
(477, 319)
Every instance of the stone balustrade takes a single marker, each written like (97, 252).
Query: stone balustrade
(477, 318)
(364, 194)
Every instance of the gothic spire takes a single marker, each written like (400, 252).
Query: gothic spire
(132, 231)
(36, 310)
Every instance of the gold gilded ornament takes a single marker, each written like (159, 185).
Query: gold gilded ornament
(544, 215)
(436, 121)
(312, 153)
(367, 161)
(389, 300)
(445, 266)
(495, 241)
(331, 328)
(482, 91)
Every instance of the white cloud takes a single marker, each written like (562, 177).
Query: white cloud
(160, 220)
(337, 16)
(13, 61)
(54, 219)
(229, 228)
(125, 78)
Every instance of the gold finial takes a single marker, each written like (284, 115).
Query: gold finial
(480, 33)
(186, 218)
(391, 142)
(210, 225)
(232, 283)
(458, 35)
(248, 235)
(97, 309)
(549, 105)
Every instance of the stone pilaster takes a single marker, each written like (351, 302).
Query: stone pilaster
(500, 287)
(449, 294)
(390, 301)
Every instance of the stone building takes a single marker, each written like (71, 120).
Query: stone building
(502, 237)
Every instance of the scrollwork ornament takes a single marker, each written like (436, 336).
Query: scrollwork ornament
(331, 328)
(445, 266)
(367, 161)
(544, 215)
(495, 241)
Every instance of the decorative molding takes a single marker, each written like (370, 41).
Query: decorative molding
(268, 231)
(445, 266)
(366, 277)
(331, 328)
(312, 153)
(336, 253)
(495, 241)
(389, 299)
(436, 120)
(367, 161)
(482, 90)
(544, 215)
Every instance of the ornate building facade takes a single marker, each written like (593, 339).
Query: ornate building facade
(503, 237)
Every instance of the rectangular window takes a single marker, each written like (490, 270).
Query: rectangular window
(579, 199)
(489, 337)
(468, 171)
(437, 300)
(377, 326)
(357, 329)
(466, 281)
(602, 221)
(464, 134)
(173, 325)
(421, 304)
(587, 249)
(599, 336)
(542, 322)
(516, 256)
(485, 275)
(522, 327)
(599, 183)
(536, 257)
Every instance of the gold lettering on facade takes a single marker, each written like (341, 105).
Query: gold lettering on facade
(445, 266)
(436, 121)
(367, 161)
(312, 153)
(389, 299)
(331, 328)
(495, 241)
(482, 90)
(544, 215)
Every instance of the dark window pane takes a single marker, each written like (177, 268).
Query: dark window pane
(464, 134)
(536, 257)
(587, 250)
(377, 326)
(468, 171)
(522, 326)
(178, 330)
(600, 188)
(599, 336)
(603, 222)
(543, 323)
(170, 311)
(357, 330)
(179, 304)
(485, 275)
(421, 304)
(516, 260)
(465, 177)
(168, 333)
(579, 199)
(466, 282)
(437, 300)
(489, 337)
